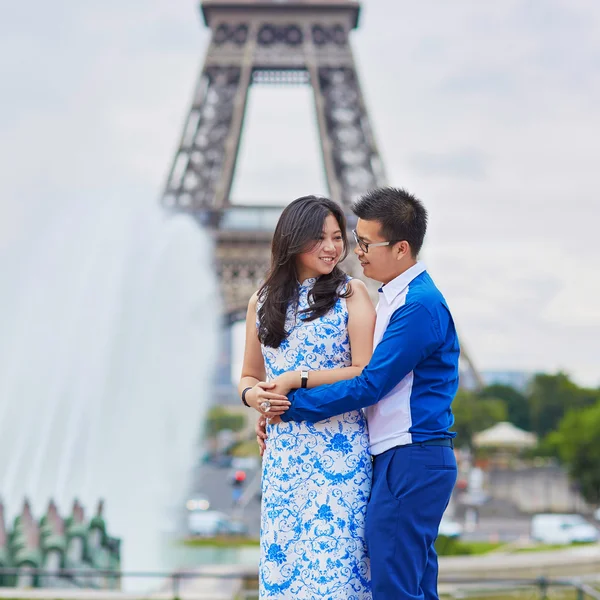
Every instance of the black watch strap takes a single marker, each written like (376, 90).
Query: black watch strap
(244, 397)
(303, 378)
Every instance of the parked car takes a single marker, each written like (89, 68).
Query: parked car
(211, 523)
(562, 529)
(198, 502)
(450, 528)
(207, 523)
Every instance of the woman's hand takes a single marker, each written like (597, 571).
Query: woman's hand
(267, 399)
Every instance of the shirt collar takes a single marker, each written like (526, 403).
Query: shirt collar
(399, 284)
(308, 282)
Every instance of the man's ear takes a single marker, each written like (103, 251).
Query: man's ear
(401, 249)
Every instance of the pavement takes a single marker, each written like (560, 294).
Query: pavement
(499, 529)
(570, 562)
(207, 589)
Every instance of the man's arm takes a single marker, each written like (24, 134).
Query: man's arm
(411, 336)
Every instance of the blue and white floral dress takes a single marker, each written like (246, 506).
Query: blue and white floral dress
(316, 478)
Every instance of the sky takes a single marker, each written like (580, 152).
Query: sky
(487, 111)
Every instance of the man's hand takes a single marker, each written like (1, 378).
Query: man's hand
(261, 434)
(286, 382)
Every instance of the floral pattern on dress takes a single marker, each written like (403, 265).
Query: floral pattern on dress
(316, 477)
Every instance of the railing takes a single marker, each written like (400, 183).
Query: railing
(542, 588)
(240, 583)
(242, 217)
(166, 584)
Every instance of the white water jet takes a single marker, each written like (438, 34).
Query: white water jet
(108, 317)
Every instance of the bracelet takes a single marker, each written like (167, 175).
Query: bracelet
(244, 397)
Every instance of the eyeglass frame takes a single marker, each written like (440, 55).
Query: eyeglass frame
(360, 243)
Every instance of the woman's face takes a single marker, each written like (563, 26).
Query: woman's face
(321, 258)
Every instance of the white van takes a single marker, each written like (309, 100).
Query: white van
(450, 528)
(212, 523)
(562, 529)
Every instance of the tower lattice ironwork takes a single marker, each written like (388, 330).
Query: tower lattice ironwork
(270, 42)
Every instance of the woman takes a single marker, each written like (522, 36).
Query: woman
(302, 324)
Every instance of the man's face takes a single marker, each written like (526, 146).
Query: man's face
(381, 263)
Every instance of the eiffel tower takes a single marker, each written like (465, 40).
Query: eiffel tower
(268, 42)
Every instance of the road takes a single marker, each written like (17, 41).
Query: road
(498, 529)
(216, 484)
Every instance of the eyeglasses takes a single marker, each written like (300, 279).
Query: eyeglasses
(364, 246)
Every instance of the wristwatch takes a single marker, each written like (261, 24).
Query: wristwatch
(303, 378)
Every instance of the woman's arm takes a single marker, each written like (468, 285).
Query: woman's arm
(253, 369)
(361, 326)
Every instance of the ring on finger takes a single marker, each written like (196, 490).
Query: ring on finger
(265, 406)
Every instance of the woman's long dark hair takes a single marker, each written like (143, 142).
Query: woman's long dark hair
(299, 228)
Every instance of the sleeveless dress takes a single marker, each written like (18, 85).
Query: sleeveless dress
(316, 478)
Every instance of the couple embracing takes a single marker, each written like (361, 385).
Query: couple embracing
(358, 464)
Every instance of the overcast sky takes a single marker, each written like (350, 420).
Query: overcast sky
(488, 111)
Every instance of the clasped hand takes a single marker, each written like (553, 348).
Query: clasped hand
(270, 397)
(275, 392)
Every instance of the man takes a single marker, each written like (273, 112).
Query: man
(407, 390)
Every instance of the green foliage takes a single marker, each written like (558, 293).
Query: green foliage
(220, 418)
(447, 546)
(546, 448)
(550, 547)
(473, 413)
(517, 406)
(540, 410)
(223, 541)
(565, 417)
(577, 443)
(551, 396)
(246, 448)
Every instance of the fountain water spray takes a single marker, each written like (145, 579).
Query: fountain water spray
(108, 317)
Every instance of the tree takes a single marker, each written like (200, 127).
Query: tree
(220, 418)
(473, 414)
(551, 396)
(577, 443)
(517, 405)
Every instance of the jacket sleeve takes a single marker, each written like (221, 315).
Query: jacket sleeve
(412, 335)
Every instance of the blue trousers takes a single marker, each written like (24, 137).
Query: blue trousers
(411, 490)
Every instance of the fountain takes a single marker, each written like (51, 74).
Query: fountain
(108, 316)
